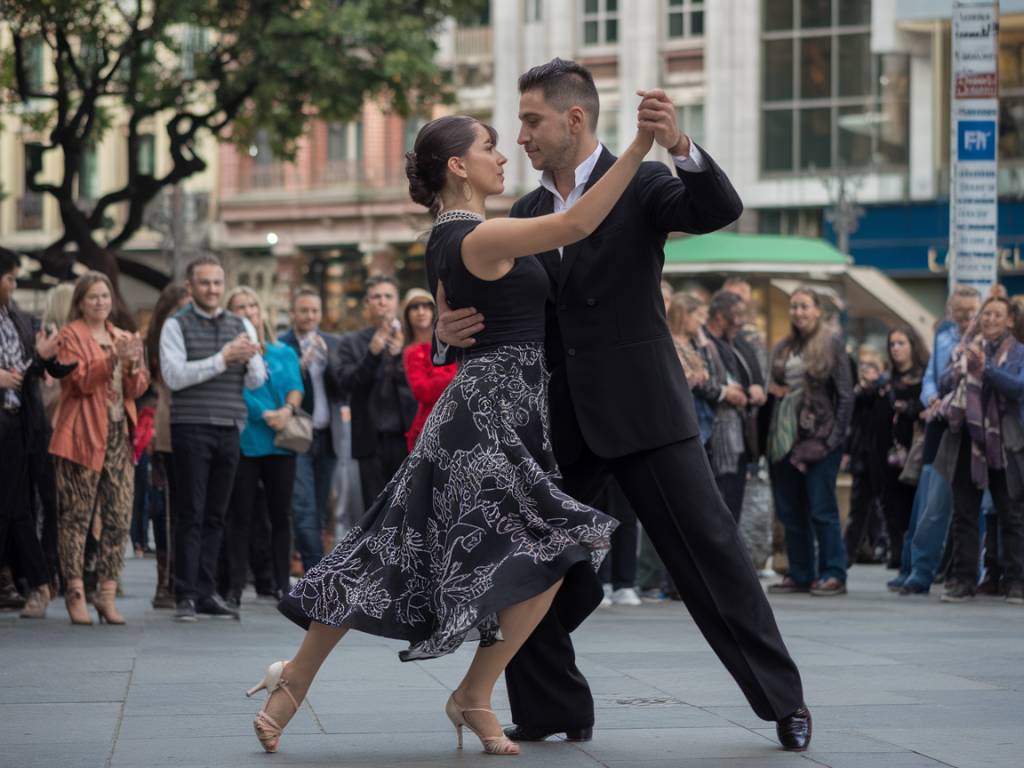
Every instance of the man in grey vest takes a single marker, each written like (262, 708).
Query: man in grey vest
(207, 357)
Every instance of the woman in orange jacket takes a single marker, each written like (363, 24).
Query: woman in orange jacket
(92, 443)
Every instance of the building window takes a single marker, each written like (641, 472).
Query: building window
(600, 22)
(411, 129)
(1011, 96)
(685, 18)
(827, 102)
(690, 118)
(533, 11)
(35, 65)
(345, 141)
(88, 179)
(145, 155)
(29, 208)
(608, 129)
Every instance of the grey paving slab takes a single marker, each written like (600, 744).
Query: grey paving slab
(892, 683)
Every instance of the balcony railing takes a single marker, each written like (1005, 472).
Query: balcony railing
(29, 211)
(474, 43)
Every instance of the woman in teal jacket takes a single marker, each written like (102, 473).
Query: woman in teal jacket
(270, 407)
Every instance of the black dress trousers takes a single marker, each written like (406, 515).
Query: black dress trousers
(673, 492)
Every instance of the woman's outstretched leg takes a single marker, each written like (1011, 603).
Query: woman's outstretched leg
(517, 623)
(282, 702)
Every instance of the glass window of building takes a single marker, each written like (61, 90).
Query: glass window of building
(1011, 96)
(345, 141)
(690, 118)
(600, 22)
(88, 175)
(685, 19)
(827, 101)
(145, 154)
(608, 129)
(533, 11)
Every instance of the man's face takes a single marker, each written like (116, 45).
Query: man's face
(306, 313)
(740, 289)
(963, 311)
(8, 282)
(737, 315)
(544, 133)
(381, 303)
(207, 286)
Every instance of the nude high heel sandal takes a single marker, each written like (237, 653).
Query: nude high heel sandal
(74, 601)
(103, 602)
(493, 745)
(267, 729)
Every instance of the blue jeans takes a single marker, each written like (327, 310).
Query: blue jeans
(807, 507)
(313, 471)
(929, 526)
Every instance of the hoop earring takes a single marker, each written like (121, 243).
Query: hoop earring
(467, 191)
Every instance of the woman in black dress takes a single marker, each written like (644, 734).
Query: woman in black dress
(472, 537)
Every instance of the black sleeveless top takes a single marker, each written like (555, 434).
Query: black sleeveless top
(512, 305)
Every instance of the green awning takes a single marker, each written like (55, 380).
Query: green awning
(728, 247)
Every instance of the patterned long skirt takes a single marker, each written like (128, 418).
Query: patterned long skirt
(472, 523)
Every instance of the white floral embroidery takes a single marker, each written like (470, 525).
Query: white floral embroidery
(472, 522)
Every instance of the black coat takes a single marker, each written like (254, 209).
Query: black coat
(616, 382)
(34, 424)
(368, 380)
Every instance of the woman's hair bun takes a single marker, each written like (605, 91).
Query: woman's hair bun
(419, 189)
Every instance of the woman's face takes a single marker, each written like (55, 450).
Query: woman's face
(483, 164)
(804, 314)
(995, 320)
(695, 320)
(900, 350)
(421, 315)
(95, 306)
(246, 306)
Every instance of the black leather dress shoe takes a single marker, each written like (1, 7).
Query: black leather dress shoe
(527, 733)
(794, 730)
(214, 607)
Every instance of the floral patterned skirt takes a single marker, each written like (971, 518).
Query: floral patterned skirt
(472, 523)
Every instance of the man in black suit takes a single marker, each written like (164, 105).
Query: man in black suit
(24, 433)
(368, 370)
(314, 468)
(620, 405)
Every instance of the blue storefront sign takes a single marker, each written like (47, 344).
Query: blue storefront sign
(897, 238)
(976, 140)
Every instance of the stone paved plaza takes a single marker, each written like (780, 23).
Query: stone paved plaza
(893, 682)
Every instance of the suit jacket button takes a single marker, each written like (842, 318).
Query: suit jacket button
(572, 352)
(591, 302)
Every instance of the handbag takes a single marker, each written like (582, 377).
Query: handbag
(915, 457)
(297, 434)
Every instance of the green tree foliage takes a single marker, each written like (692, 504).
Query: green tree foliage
(225, 67)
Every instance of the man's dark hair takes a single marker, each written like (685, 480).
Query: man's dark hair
(304, 290)
(565, 84)
(376, 280)
(9, 261)
(722, 304)
(202, 261)
(735, 280)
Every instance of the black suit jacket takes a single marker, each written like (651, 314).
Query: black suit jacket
(34, 424)
(366, 380)
(616, 382)
(331, 341)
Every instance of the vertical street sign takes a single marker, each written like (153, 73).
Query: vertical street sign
(974, 135)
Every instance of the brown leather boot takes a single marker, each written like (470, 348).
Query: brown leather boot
(103, 602)
(74, 601)
(35, 606)
(163, 597)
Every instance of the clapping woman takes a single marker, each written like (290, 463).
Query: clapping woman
(92, 444)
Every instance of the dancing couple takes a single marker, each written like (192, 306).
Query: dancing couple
(481, 535)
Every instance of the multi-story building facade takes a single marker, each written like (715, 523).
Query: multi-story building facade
(804, 95)
(31, 220)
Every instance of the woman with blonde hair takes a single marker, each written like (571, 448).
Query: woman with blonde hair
(270, 408)
(811, 381)
(92, 443)
(687, 314)
(426, 380)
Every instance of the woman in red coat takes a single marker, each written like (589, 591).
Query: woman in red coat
(426, 380)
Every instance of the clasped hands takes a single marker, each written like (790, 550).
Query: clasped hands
(240, 349)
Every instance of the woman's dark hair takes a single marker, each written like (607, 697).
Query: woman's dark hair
(170, 298)
(918, 356)
(9, 261)
(426, 166)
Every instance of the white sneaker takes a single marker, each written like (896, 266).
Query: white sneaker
(606, 601)
(626, 596)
